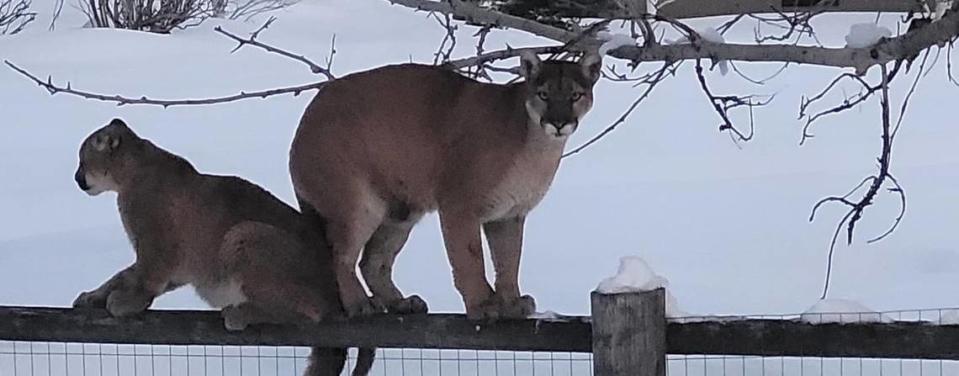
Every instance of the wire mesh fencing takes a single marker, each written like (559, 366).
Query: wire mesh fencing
(67, 359)
(720, 365)
(811, 362)
(811, 344)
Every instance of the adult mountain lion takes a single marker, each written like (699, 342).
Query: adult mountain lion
(244, 250)
(377, 150)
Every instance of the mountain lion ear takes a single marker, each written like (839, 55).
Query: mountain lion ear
(117, 122)
(591, 63)
(529, 65)
(106, 142)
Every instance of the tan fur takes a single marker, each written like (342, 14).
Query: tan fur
(376, 150)
(244, 250)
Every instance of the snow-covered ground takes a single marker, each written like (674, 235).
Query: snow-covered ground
(727, 227)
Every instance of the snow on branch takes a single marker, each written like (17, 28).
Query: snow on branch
(470, 12)
(902, 47)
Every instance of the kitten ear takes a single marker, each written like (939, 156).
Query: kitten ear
(591, 63)
(529, 65)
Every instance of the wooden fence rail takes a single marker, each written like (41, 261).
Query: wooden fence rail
(206, 328)
(625, 329)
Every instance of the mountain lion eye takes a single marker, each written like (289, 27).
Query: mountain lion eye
(577, 96)
(543, 95)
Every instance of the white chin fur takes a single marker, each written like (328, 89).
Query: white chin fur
(562, 133)
(93, 191)
(99, 184)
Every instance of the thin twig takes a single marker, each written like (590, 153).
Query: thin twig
(847, 104)
(651, 84)
(761, 81)
(854, 214)
(329, 58)
(949, 74)
(723, 104)
(449, 39)
(315, 68)
(492, 56)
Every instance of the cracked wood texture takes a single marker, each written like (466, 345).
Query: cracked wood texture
(629, 333)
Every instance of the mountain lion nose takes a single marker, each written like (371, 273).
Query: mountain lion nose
(81, 180)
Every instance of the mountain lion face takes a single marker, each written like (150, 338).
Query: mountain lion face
(559, 93)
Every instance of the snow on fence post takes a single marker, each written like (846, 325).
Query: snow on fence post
(629, 333)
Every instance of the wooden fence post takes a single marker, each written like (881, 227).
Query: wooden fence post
(629, 333)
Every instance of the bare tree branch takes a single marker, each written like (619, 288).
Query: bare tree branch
(725, 103)
(472, 13)
(449, 39)
(121, 100)
(875, 183)
(793, 28)
(247, 9)
(15, 15)
(482, 60)
(57, 9)
(949, 74)
(315, 68)
(507, 53)
(909, 44)
(147, 15)
(760, 81)
(329, 58)
(650, 85)
(847, 104)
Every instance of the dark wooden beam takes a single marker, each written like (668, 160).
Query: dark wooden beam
(731, 337)
(206, 328)
(793, 338)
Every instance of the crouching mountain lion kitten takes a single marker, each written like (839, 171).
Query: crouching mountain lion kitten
(377, 150)
(244, 250)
